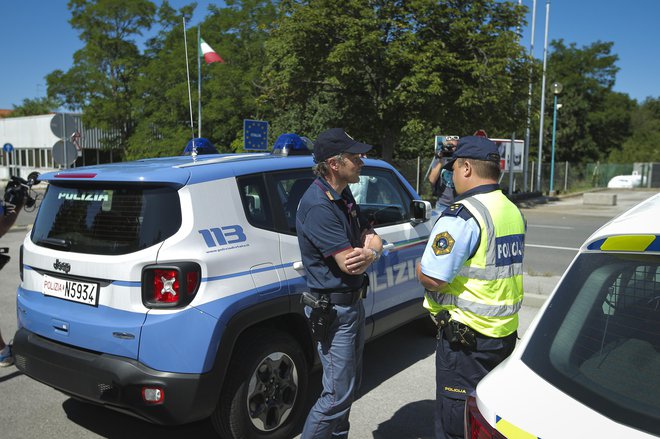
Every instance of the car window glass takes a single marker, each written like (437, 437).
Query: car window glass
(382, 198)
(255, 201)
(106, 219)
(600, 339)
(290, 186)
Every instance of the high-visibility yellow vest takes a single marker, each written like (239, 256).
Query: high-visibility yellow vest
(487, 293)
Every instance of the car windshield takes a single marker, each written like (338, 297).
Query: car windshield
(106, 219)
(599, 338)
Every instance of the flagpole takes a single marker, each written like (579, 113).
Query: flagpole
(199, 85)
(185, 45)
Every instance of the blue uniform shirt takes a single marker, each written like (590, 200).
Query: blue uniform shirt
(454, 239)
(328, 223)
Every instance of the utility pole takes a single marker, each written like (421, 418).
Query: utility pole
(545, 58)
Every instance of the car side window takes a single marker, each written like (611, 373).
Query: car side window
(381, 197)
(255, 201)
(287, 188)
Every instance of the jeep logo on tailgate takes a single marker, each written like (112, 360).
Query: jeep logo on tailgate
(62, 266)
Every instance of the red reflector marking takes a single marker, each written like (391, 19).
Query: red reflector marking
(75, 175)
(191, 279)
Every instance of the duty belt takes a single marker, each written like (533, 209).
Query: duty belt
(343, 298)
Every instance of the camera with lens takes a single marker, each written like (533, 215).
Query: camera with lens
(446, 148)
(19, 191)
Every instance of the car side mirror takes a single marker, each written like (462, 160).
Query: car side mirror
(421, 211)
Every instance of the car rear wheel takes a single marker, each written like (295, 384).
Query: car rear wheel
(265, 389)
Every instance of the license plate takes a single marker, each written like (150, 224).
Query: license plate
(73, 290)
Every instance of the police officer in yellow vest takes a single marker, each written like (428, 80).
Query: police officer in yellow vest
(472, 272)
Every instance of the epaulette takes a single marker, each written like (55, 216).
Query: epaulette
(457, 210)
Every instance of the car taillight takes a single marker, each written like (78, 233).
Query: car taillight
(476, 426)
(170, 286)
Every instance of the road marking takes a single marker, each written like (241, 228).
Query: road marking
(550, 227)
(552, 247)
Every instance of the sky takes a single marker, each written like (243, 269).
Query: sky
(32, 45)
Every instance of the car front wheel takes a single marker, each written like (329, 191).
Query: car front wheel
(265, 388)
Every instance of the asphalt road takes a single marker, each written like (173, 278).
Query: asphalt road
(397, 396)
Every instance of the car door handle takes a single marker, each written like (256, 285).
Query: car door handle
(298, 265)
(387, 247)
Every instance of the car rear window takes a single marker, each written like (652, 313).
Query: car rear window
(599, 338)
(106, 220)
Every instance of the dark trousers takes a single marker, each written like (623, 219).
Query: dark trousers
(458, 370)
(341, 358)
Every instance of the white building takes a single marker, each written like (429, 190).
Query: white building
(27, 145)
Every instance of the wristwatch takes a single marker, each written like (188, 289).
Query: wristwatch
(376, 254)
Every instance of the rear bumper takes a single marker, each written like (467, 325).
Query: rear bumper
(115, 382)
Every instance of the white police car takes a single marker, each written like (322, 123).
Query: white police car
(169, 288)
(589, 365)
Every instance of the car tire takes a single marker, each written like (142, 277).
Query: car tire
(265, 388)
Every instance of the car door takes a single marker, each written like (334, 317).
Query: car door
(385, 200)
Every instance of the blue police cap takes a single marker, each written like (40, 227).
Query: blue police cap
(474, 147)
(333, 142)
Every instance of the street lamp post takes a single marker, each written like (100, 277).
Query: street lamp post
(556, 90)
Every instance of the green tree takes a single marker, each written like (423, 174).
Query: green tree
(642, 146)
(101, 81)
(32, 107)
(395, 72)
(229, 91)
(593, 119)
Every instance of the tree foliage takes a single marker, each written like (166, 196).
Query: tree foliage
(34, 107)
(390, 70)
(229, 91)
(393, 73)
(102, 79)
(593, 119)
(642, 146)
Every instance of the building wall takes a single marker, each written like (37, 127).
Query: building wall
(33, 140)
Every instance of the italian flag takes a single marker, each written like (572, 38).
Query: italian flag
(210, 56)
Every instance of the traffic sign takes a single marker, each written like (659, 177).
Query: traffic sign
(64, 153)
(7, 147)
(63, 125)
(255, 135)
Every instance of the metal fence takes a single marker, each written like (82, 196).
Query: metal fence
(568, 177)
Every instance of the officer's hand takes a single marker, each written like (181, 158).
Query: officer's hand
(358, 260)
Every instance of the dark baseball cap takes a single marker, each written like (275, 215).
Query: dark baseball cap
(333, 142)
(474, 147)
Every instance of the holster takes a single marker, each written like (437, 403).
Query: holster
(320, 321)
(455, 331)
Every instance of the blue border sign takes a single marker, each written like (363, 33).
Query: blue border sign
(7, 147)
(255, 135)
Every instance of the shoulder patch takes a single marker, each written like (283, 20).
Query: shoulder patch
(442, 243)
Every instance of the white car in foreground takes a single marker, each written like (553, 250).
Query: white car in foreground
(589, 365)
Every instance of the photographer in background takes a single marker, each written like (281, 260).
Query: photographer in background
(441, 181)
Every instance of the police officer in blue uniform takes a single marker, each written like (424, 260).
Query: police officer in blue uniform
(337, 246)
(472, 271)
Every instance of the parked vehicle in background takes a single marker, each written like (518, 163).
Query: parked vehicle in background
(588, 365)
(169, 288)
